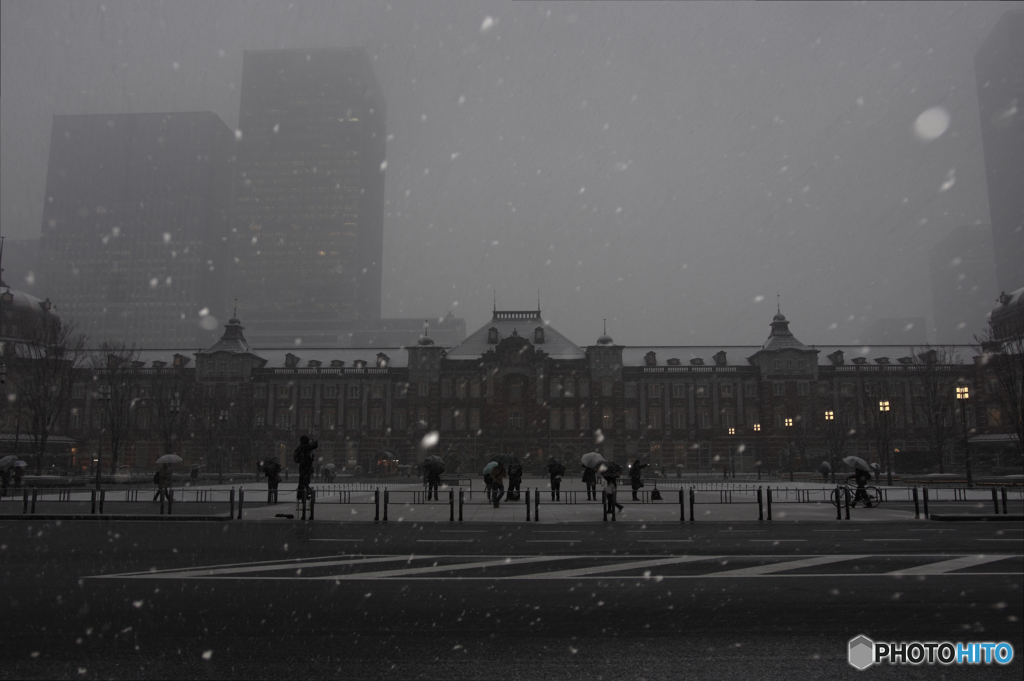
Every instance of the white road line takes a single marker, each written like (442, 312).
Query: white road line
(237, 570)
(444, 568)
(1016, 539)
(840, 530)
(945, 566)
(899, 539)
(634, 565)
(661, 541)
(758, 570)
(553, 541)
(336, 540)
(463, 531)
(775, 540)
(434, 541)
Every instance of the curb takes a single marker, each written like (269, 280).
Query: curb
(976, 517)
(178, 518)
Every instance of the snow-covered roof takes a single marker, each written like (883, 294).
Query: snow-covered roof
(555, 344)
(735, 355)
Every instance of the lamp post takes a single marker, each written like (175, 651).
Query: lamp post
(760, 448)
(963, 394)
(732, 448)
(789, 446)
(883, 417)
(104, 398)
(222, 418)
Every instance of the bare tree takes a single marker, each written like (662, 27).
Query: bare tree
(43, 367)
(836, 432)
(242, 429)
(935, 376)
(117, 373)
(880, 414)
(172, 391)
(1002, 357)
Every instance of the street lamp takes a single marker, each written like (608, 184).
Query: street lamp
(760, 448)
(789, 446)
(963, 394)
(732, 462)
(222, 417)
(104, 398)
(883, 414)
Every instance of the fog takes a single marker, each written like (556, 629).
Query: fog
(668, 166)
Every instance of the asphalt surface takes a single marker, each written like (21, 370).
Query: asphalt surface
(118, 599)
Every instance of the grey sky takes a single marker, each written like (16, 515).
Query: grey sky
(664, 165)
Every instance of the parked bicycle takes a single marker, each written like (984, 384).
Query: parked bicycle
(847, 494)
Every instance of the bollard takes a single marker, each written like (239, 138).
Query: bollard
(536, 505)
(376, 505)
(995, 500)
(839, 503)
(604, 506)
(312, 505)
(231, 500)
(693, 516)
(24, 508)
(769, 502)
(917, 505)
(925, 489)
(93, 503)
(451, 505)
(1002, 493)
(462, 500)
(241, 500)
(386, 504)
(527, 504)
(760, 505)
(846, 498)
(103, 496)
(682, 506)
(303, 517)
(161, 504)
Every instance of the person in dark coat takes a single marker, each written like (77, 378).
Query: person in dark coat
(497, 484)
(590, 480)
(636, 476)
(862, 478)
(610, 475)
(515, 479)
(433, 475)
(304, 457)
(272, 469)
(556, 471)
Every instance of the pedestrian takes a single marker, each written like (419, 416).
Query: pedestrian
(488, 485)
(556, 471)
(163, 483)
(433, 476)
(610, 475)
(5, 480)
(304, 457)
(636, 476)
(590, 480)
(272, 469)
(497, 484)
(17, 474)
(515, 479)
(862, 477)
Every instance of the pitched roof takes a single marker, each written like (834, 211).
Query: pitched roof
(523, 323)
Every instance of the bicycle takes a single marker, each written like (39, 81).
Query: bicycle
(848, 494)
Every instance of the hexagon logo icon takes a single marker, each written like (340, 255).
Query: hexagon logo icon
(861, 652)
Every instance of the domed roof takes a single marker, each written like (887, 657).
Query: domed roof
(19, 302)
(425, 340)
(605, 339)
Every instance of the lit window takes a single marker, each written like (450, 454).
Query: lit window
(757, 426)
(962, 393)
(732, 431)
(789, 423)
(883, 405)
(830, 416)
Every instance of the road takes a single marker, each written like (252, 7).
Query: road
(104, 599)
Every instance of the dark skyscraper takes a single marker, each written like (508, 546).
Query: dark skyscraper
(999, 70)
(308, 212)
(135, 222)
(963, 277)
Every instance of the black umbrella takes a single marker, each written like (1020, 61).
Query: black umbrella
(505, 460)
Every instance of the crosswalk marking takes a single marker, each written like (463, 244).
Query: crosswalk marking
(785, 565)
(632, 565)
(945, 566)
(603, 567)
(409, 572)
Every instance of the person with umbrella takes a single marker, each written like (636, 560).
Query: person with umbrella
(636, 476)
(18, 472)
(304, 457)
(590, 461)
(825, 468)
(272, 469)
(862, 474)
(488, 482)
(497, 485)
(515, 479)
(610, 473)
(163, 476)
(556, 471)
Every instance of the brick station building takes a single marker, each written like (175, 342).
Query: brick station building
(517, 384)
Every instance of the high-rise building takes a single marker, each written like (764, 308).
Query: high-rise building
(308, 216)
(135, 223)
(999, 70)
(962, 271)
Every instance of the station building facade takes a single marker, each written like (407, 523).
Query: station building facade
(516, 384)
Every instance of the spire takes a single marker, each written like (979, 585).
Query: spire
(778, 304)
